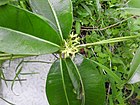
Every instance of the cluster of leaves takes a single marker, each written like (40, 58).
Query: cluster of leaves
(99, 24)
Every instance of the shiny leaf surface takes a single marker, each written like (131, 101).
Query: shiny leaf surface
(76, 79)
(59, 12)
(93, 83)
(22, 32)
(59, 88)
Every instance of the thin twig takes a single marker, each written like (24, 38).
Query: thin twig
(113, 40)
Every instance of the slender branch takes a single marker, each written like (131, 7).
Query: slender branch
(113, 40)
(11, 57)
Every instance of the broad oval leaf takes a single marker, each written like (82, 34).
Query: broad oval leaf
(59, 88)
(134, 72)
(76, 79)
(59, 12)
(22, 32)
(85, 86)
(93, 83)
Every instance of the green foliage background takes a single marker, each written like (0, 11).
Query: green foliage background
(97, 20)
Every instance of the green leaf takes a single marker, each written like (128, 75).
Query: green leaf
(76, 79)
(134, 73)
(93, 83)
(59, 12)
(3, 2)
(66, 85)
(87, 9)
(59, 88)
(134, 3)
(78, 27)
(22, 32)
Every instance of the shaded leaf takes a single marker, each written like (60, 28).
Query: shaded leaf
(22, 32)
(59, 12)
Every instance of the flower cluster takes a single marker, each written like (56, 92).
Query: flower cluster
(70, 46)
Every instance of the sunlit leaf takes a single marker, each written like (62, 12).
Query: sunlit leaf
(59, 12)
(22, 32)
(93, 83)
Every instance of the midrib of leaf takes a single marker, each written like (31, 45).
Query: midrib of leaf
(25, 34)
(56, 19)
(63, 82)
(83, 90)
